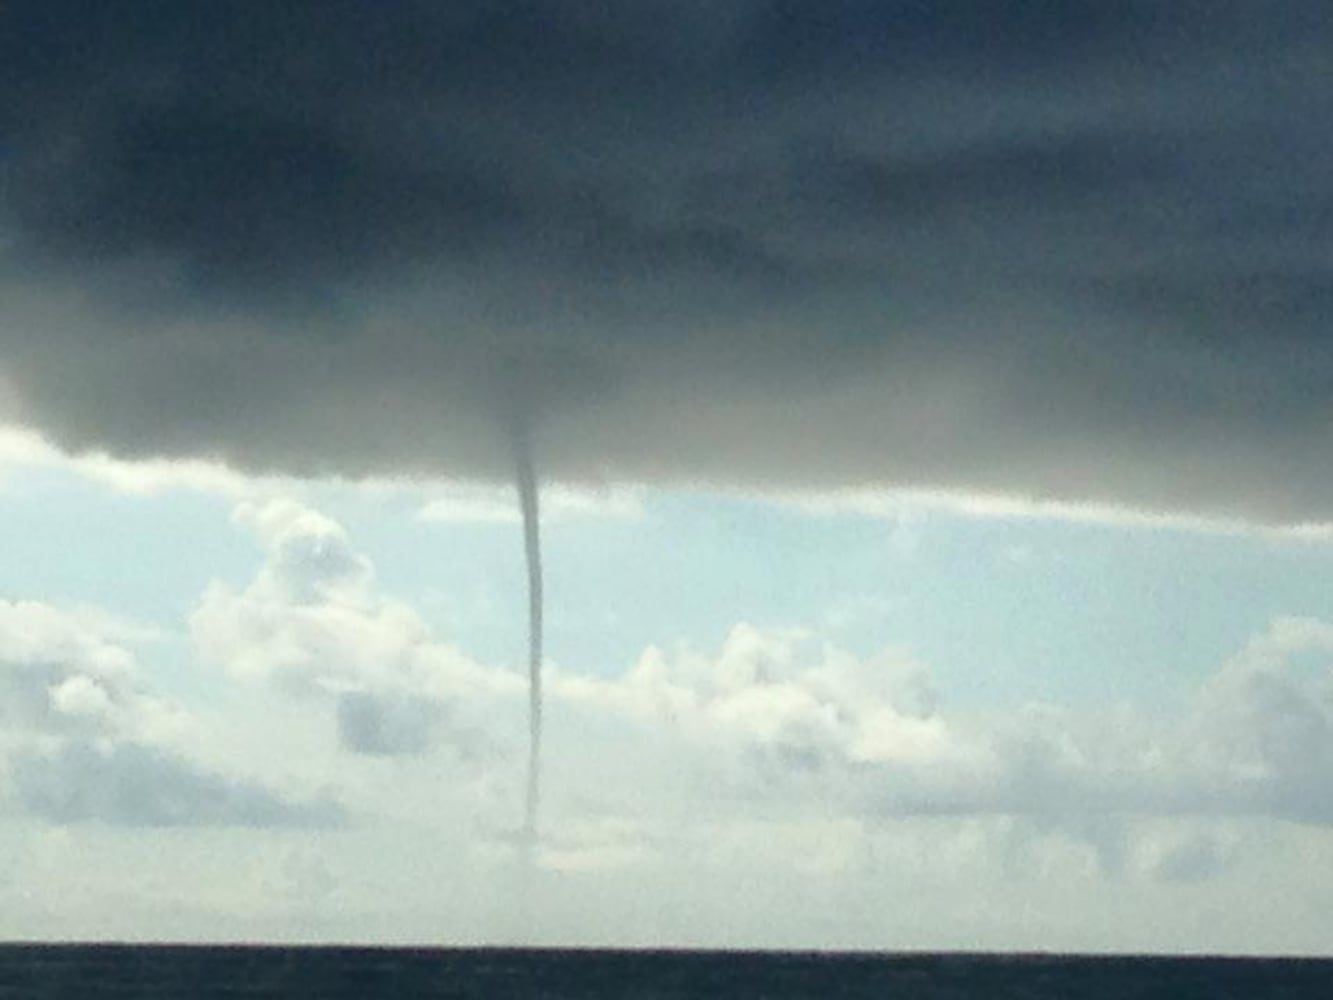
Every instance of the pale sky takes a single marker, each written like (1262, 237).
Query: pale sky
(930, 404)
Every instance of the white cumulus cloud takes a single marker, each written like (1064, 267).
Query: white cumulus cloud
(313, 623)
(84, 740)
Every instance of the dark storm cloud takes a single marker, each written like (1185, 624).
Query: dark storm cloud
(1071, 250)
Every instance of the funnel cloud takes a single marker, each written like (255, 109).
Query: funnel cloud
(528, 502)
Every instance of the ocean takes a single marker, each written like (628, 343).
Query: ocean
(184, 972)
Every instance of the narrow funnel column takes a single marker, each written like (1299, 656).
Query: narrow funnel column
(527, 499)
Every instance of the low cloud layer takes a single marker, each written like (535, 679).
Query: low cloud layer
(1064, 252)
(781, 717)
(775, 720)
(83, 741)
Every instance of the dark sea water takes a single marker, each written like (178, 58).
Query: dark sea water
(185, 972)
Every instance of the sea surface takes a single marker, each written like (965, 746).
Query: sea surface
(82, 971)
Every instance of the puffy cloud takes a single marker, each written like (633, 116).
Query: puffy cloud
(85, 741)
(1048, 253)
(70, 671)
(312, 623)
(1257, 742)
(310, 557)
(1265, 731)
(779, 718)
(782, 716)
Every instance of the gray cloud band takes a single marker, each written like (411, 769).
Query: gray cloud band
(1071, 251)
